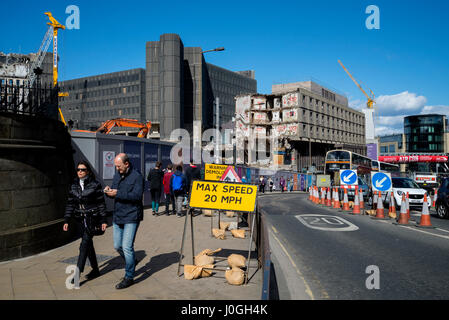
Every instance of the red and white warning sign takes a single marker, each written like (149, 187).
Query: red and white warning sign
(230, 175)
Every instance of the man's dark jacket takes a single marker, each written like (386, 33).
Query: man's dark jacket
(128, 206)
(91, 198)
(192, 173)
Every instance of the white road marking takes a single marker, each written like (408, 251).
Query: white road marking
(331, 221)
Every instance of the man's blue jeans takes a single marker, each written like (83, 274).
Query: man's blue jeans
(124, 236)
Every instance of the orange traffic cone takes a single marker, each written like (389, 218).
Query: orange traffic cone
(380, 208)
(328, 199)
(425, 216)
(362, 202)
(345, 201)
(403, 218)
(356, 209)
(323, 196)
(310, 194)
(407, 202)
(392, 207)
(434, 198)
(333, 198)
(337, 200)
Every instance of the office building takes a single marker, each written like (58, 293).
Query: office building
(181, 87)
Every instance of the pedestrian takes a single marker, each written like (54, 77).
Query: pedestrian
(244, 179)
(262, 184)
(193, 172)
(178, 183)
(86, 204)
(270, 184)
(155, 177)
(127, 191)
(168, 196)
(282, 183)
(289, 185)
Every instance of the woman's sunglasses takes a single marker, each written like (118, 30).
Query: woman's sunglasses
(81, 169)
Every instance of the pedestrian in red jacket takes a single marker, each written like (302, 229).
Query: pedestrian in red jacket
(168, 196)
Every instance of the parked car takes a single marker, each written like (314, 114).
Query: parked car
(416, 193)
(442, 205)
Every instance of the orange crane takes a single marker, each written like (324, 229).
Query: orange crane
(107, 126)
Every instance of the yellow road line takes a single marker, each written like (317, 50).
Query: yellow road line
(308, 290)
(274, 229)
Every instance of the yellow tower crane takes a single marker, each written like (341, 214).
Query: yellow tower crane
(370, 102)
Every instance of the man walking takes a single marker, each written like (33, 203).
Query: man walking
(178, 183)
(168, 196)
(127, 191)
(282, 183)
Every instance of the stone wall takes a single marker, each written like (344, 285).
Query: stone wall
(36, 166)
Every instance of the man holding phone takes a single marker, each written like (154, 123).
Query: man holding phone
(127, 191)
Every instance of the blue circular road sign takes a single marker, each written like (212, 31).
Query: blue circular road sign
(381, 181)
(348, 177)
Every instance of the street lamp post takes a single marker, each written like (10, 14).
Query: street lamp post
(217, 103)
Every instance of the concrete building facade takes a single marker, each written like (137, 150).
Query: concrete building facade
(181, 87)
(306, 119)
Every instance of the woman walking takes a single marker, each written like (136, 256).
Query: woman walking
(86, 204)
(156, 177)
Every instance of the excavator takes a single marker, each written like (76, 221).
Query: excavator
(107, 126)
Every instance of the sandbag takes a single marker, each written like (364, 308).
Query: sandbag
(207, 213)
(209, 252)
(192, 272)
(238, 233)
(224, 225)
(236, 260)
(235, 276)
(232, 225)
(218, 233)
(203, 260)
(392, 215)
(230, 214)
(206, 273)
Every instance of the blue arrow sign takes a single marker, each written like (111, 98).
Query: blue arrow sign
(348, 177)
(381, 181)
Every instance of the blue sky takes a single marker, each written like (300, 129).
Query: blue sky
(405, 62)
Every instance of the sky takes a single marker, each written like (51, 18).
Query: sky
(405, 62)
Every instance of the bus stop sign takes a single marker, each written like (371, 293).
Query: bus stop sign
(381, 181)
(348, 177)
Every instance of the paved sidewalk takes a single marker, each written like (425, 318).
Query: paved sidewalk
(157, 245)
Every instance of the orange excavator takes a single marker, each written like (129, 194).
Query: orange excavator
(107, 126)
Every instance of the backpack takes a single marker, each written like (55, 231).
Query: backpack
(177, 184)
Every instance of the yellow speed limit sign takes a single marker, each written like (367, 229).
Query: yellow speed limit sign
(223, 196)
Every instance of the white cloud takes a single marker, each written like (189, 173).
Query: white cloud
(399, 104)
(436, 109)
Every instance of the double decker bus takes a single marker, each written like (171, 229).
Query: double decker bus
(384, 166)
(337, 160)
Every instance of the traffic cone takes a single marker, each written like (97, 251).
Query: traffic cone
(333, 198)
(323, 196)
(362, 202)
(345, 201)
(392, 207)
(356, 209)
(434, 198)
(407, 202)
(380, 208)
(337, 199)
(374, 201)
(310, 194)
(425, 216)
(328, 199)
(403, 218)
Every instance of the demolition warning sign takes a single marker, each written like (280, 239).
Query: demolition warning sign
(213, 172)
(223, 196)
